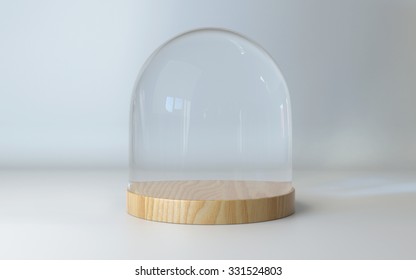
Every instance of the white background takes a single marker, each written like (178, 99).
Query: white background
(67, 69)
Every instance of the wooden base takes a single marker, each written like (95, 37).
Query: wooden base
(210, 202)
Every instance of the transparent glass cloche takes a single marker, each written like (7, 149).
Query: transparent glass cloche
(210, 122)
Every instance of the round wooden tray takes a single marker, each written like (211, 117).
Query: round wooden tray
(210, 202)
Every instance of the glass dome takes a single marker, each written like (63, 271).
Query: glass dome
(210, 133)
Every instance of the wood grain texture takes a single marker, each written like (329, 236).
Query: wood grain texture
(210, 202)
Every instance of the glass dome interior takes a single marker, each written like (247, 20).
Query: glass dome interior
(210, 105)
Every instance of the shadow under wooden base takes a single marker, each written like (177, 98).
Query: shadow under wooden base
(210, 202)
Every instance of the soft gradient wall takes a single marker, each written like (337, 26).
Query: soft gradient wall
(67, 69)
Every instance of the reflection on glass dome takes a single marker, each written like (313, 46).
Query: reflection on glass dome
(210, 121)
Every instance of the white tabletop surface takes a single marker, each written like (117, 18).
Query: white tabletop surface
(81, 214)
